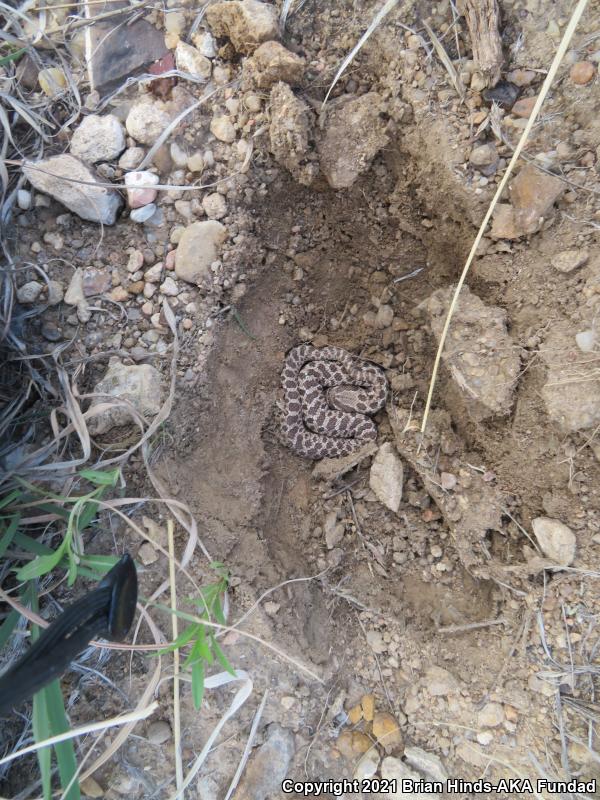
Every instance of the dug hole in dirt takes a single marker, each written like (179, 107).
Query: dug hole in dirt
(426, 608)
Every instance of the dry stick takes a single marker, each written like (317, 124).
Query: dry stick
(175, 629)
(562, 48)
(482, 20)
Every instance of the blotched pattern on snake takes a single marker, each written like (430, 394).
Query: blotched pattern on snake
(328, 397)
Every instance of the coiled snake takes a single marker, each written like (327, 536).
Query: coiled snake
(328, 397)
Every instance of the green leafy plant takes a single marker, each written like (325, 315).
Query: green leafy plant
(204, 648)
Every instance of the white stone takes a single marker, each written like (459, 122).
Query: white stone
(206, 44)
(169, 287)
(190, 60)
(98, 139)
(556, 540)
(198, 248)
(214, 205)
(387, 477)
(139, 188)
(138, 384)
(24, 199)
(586, 341)
(222, 128)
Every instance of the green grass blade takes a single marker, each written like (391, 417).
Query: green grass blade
(65, 752)
(8, 627)
(41, 731)
(221, 657)
(197, 683)
(101, 477)
(32, 545)
(9, 534)
(40, 565)
(12, 56)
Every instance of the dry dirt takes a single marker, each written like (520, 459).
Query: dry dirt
(397, 605)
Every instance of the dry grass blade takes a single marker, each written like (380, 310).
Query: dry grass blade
(560, 53)
(387, 7)
(445, 59)
(175, 631)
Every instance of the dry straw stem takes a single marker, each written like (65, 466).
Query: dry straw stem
(562, 48)
(175, 630)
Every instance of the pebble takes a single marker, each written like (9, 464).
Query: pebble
(384, 316)
(556, 540)
(504, 93)
(523, 107)
(582, 72)
(24, 199)
(55, 293)
(91, 788)
(29, 292)
(483, 155)
(490, 716)
(189, 59)
(375, 642)
(521, 77)
(143, 214)
(253, 103)
(569, 260)
(272, 62)
(393, 769)
(159, 732)
(447, 481)
(140, 385)
(132, 158)
(98, 139)
(247, 23)
(149, 117)
(214, 205)
(198, 248)
(386, 478)
(169, 287)
(205, 44)
(387, 731)
(178, 155)
(147, 554)
(586, 341)
(54, 239)
(221, 126)
(92, 202)
(195, 163)
(367, 766)
(533, 193)
(96, 281)
(138, 197)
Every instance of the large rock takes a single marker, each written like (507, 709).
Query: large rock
(556, 540)
(387, 477)
(197, 249)
(532, 195)
(148, 117)
(354, 134)
(480, 355)
(291, 134)
(268, 766)
(271, 63)
(98, 139)
(572, 389)
(139, 384)
(58, 176)
(247, 23)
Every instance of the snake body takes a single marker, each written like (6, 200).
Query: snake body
(328, 397)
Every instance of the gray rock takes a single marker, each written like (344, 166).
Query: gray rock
(159, 732)
(29, 292)
(387, 477)
(393, 769)
(354, 133)
(148, 117)
(569, 260)
(480, 355)
(98, 139)
(428, 763)
(197, 249)
(556, 540)
(143, 214)
(572, 389)
(290, 132)
(247, 23)
(132, 158)
(190, 60)
(56, 175)
(483, 155)
(55, 293)
(140, 385)
(268, 766)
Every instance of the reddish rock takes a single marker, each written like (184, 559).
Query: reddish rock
(582, 72)
(533, 193)
(524, 107)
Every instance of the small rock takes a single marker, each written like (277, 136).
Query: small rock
(384, 316)
(143, 214)
(503, 223)
(386, 478)
(132, 158)
(149, 116)
(91, 788)
(291, 133)
(29, 292)
(247, 23)
(375, 642)
(523, 107)
(24, 199)
(52, 81)
(96, 281)
(190, 60)
(440, 683)
(427, 763)
(205, 44)
(582, 72)
(147, 554)
(485, 738)
(447, 481)
(367, 766)
(197, 249)
(484, 155)
(169, 287)
(273, 62)
(55, 240)
(393, 769)
(387, 731)
(354, 133)
(490, 716)
(140, 385)
(521, 77)
(140, 192)
(556, 540)
(221, 127)
(55, 293)
(334, 530)
(586, 341)
(367, 703)
(98, 139)
(195, 163)
(54, 176)
(74, 296)
(533, 193)
(268, 765)
(569, 260)
(159, 732)
(353, 743)
(503, 93)
(178, 155)
(214, 205)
